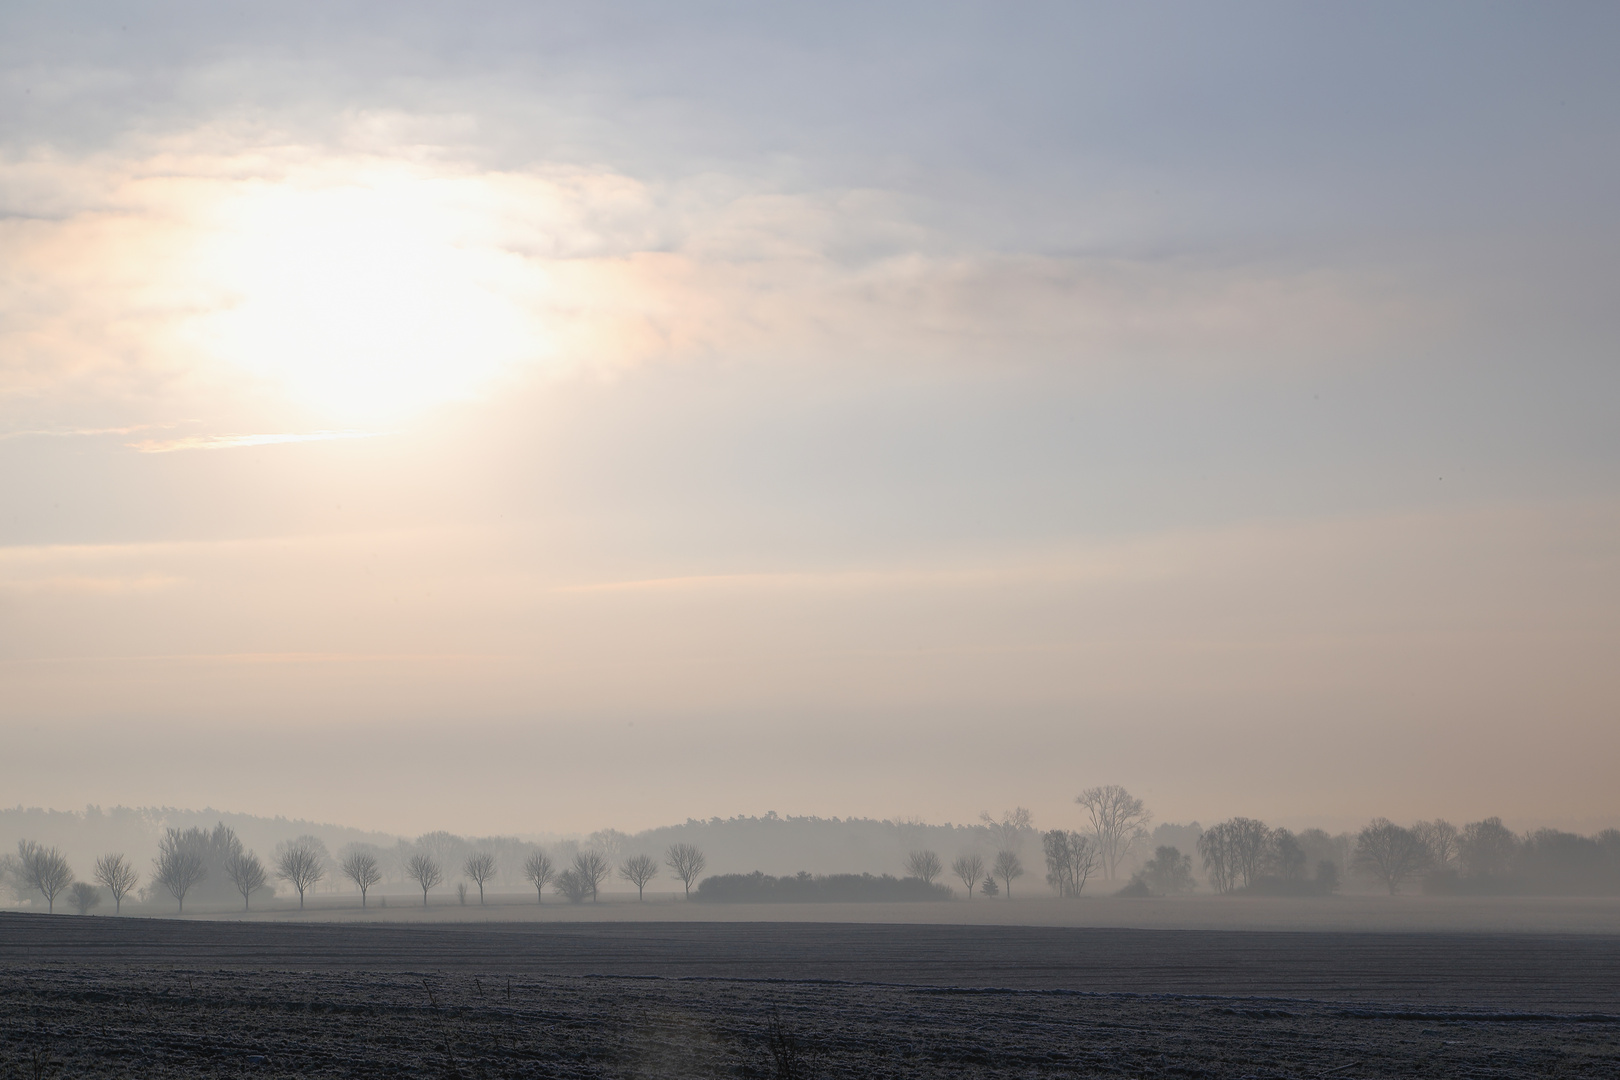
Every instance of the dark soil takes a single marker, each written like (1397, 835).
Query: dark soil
(106, 997)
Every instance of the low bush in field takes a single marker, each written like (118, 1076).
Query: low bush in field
(805, 888)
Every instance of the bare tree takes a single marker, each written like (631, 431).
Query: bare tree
(1071, 858)
(84, 896)
(118, 876)
(361, 868)
(301, 863)
(1215, 847)
(638, 870)
(970, 868)
(687, 862)
(1390, 853)
(1009, 832)
(1235, 852)
(180, 865)
(425, 872)
(1443, 841)
(1007, 868)
(247, 874)
(1118, 821)
(593, 868)
(538, 869)
(45, 869)
(925, 865)
(480, 866)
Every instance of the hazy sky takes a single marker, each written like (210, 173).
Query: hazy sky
(521, 417)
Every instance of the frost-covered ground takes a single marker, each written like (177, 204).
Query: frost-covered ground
(103, 997)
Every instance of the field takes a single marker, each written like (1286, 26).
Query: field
(139, 997)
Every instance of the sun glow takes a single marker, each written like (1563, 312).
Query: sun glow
(368, 292)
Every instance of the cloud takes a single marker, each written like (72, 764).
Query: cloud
(364, 284)
(78, 433)
(229, 442)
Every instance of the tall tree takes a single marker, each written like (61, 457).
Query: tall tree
(1390, 853)
(45, 869)
(1443, 841)
(247, 874)
(539, 870)
(1235, 852)
(118, 876)
(638, 870)
(1215, 847)
(301, 863)
(593, 868)
(687, 862)
(1118, 820)
(970, 868)
(180, 865)
(1071, 858)
(361, 868)
(480, 866)
(425, 872)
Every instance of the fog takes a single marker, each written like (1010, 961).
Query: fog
(534, 421)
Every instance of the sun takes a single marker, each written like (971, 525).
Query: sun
(368, 292)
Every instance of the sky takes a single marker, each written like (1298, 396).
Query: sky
(527, 417)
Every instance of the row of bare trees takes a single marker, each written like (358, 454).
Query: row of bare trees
(184, 860)
(578, 882)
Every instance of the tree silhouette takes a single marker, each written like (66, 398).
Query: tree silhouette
(925, 865)
(539, 870)
(593, 869)
(361, 868)
(687, 862)
(118, 876)
(1118, 821)
(970, 868)
(1007, 868)
(179, 866)
(480, 866)
(638, 870)
(45, 869)
(247, 874)
(301, 863)
(425, 872)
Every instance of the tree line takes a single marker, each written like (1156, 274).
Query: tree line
(1240, 855)
(188, 858)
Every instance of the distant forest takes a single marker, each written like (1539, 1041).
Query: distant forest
(190, 860)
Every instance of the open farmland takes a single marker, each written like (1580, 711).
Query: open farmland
(106, 997)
